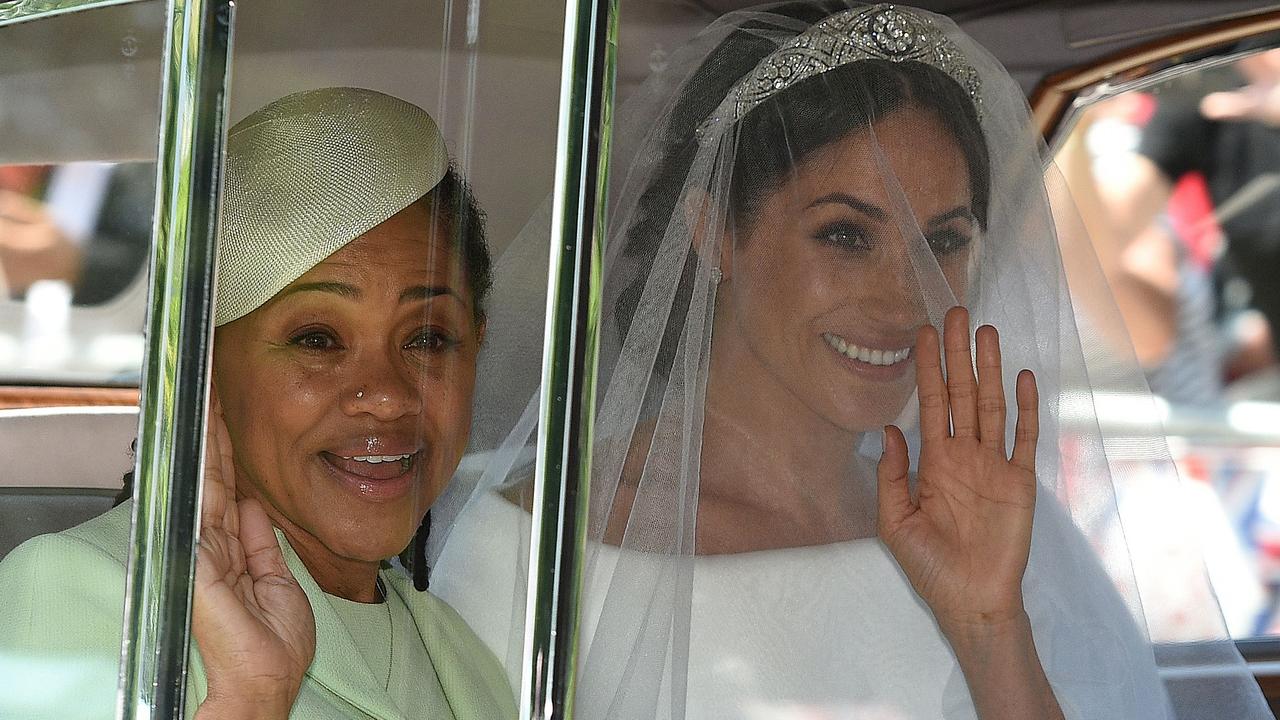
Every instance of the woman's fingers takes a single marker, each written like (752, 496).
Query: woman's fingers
(962, 389)
(894, 495)
(214, 496)
(262, 554)
(1027, 431)
(224, 470)
(934, 423)
(991, 404)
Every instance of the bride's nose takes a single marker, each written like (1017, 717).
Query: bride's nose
(897, 293)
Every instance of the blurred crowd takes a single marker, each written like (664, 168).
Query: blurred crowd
(1179, 189)
(83, 224)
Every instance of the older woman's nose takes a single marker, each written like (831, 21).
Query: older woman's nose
(383, 390)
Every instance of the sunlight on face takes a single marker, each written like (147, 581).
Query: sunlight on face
(836, 275)
(347, 396)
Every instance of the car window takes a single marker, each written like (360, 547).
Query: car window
(74, 238)
(78, 119)
(88, 298)
(1178, 184)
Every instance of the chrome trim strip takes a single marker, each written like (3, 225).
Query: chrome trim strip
(175, 375)
(569, 361)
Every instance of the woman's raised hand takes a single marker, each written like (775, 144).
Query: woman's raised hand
(964, 539)
(251, 619)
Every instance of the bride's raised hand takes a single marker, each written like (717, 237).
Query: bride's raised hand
(964, 539)
(251, 619)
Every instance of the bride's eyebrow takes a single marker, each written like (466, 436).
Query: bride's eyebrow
(839, 198)
(962, 212)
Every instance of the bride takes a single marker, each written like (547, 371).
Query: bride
(805, 502)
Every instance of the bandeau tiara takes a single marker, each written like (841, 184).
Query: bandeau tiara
(876, 32)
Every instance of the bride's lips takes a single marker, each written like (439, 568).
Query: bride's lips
(380, 477)
(879, 359)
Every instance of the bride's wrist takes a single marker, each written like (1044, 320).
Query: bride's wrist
(988, 634)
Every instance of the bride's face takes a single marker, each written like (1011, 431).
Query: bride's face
(832, 280)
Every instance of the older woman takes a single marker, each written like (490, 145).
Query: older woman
(352, 276)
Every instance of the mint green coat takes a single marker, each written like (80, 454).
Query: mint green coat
(61, 621)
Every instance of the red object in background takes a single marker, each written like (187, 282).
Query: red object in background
(24, 179)
(1191, 213)
(1190, 207)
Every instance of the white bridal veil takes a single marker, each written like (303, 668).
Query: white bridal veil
(800, 188)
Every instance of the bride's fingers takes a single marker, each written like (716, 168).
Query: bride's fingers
(1027, 431)
(894, 497)
(991, 404)
(933, 391)
(962, 389)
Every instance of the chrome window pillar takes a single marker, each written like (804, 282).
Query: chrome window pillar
(175, 373)
(569, 360)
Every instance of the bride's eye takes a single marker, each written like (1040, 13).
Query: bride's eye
(844, 235)
(945, 242)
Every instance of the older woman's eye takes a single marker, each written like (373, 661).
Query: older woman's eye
(948, 241)
(843, 235)
(432, 341)
(315, 339)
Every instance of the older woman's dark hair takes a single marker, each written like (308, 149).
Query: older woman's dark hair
(452, 201)
(777, 135)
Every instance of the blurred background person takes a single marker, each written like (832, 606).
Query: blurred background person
(85, 224)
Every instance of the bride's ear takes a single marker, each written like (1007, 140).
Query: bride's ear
(708, 232)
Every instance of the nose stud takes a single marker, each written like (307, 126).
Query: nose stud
(359, 394)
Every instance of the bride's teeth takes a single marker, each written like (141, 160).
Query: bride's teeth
(866, 355)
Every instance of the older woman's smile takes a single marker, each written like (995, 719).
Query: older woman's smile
(375, 467)
(377, 478)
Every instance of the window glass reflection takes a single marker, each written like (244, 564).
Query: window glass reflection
(74, 236)
(1177, 185)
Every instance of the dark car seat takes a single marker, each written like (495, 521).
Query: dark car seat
(60, 467)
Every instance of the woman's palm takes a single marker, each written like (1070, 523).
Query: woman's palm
(964, 540)
(251, 619)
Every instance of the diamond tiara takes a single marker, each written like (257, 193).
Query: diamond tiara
(877, 32)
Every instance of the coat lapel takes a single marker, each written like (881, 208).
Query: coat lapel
(338, 666)
(472, 681)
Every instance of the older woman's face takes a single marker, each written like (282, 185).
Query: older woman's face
(347, 396)
(832, 281)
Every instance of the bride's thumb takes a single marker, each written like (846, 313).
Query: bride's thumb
(894, 497)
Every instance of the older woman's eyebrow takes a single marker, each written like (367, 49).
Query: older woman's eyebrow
(423, 292)
(337, 288)
(839, 198)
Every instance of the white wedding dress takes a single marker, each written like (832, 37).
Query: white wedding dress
(831, 632)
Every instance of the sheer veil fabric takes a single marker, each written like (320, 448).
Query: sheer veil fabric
(800, 188)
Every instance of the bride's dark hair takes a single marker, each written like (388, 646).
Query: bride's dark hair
(777, 135)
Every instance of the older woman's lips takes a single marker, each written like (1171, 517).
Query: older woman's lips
(373, 477)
